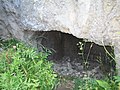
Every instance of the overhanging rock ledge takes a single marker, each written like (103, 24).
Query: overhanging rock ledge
(95, 20)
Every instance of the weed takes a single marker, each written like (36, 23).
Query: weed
(5, 44)
(87, 83)
(81, 46)
(22, 68)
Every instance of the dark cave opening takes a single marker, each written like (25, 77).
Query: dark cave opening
(64, 46)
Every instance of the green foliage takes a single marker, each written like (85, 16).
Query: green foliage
(93, 84)
(108, 84)
(117, 81)
(5, 44)
(22, 68)
(85, 84)
(103, 84)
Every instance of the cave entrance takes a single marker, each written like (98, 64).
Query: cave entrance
(64, 47)
(61, 44)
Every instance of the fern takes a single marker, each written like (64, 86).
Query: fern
(22, 68)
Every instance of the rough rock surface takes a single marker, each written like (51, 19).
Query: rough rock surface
(77, 69)
(95, 20)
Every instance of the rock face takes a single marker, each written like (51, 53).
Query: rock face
(95, 20)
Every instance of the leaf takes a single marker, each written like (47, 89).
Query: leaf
(117, 79)
(103, 84)
(28, 70)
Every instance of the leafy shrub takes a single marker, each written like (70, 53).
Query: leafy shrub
(87, 83)
(22, 68)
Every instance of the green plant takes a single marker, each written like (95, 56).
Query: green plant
(81, 46)
(85, 83)
(22, 68)
(5, 44)
(108, 84)
(117, 81)
(103, 84)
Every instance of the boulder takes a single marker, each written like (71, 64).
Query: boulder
(97, 21)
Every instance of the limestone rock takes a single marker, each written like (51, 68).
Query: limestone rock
(95, 20)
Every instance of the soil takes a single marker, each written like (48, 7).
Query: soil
(66, 85)
(75, 68)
